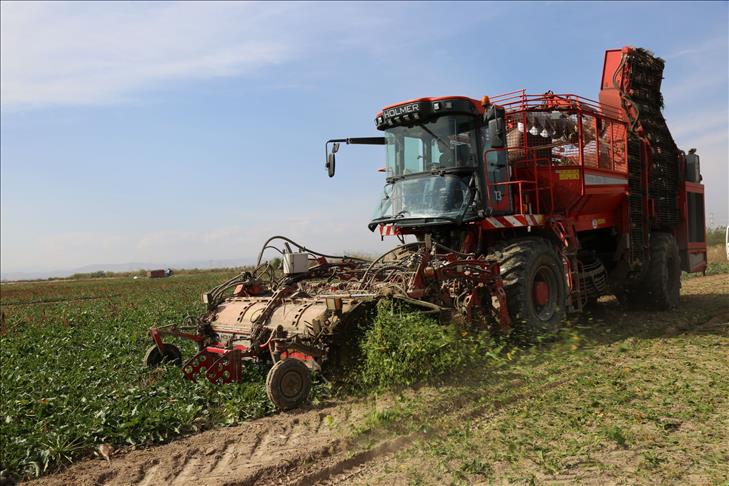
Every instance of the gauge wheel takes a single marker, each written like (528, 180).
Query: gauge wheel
(288, 383)
(169, 354)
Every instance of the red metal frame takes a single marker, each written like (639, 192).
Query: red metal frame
(534, 180)
(157, 332)
(483, 274)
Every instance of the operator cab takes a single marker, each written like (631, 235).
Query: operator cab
(434, 162)
(431, 160)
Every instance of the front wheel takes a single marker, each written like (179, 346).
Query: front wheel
(533, 278)
(288, 383)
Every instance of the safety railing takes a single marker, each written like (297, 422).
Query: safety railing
(521, 203)
(520, 100)
(533, 159)
(549, 131)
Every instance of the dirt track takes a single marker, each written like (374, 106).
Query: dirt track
(298, 448)
(381, 441)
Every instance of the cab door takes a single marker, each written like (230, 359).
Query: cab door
(496, 163)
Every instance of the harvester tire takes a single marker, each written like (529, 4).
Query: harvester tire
(288, 383)
(170, 354)
(663, 282)
(536, 293)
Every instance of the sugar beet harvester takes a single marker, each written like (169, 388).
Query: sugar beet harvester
(523, 208)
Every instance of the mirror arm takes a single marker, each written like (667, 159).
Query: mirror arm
(354, 141)
(366, 141)
(334, 140)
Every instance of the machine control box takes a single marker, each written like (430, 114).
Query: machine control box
(295, 263)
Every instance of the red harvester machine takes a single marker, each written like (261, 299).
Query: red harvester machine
(522, 207)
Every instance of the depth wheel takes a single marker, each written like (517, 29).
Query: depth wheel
(169, 354)
(536, 293)
(288, 384)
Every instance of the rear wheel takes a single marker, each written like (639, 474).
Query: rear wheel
(288, 384)
(169, 354)
(663, 287)
(533, 279)
(659, 287)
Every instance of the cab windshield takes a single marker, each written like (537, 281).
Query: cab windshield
(445, 197)
(446, 142)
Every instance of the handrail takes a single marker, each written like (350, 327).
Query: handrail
(599, 142)
(520, 100)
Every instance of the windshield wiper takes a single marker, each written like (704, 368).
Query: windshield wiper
(408, 222)
(472, 196)
(433, 171)
(382, 220)
(450, 170)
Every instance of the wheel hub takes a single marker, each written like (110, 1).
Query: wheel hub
(541, 293)
(544, 293)
(291, 384)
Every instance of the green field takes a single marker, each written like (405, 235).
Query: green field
(72, 379)
(72, 375)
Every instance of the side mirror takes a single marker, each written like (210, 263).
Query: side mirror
(331, 164)
(496, 133)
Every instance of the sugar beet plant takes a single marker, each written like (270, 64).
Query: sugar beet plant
(72, 376)
(404, 347)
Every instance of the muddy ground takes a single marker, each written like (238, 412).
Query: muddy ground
(623, 397)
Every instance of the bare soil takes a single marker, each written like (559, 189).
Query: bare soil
(622, 397)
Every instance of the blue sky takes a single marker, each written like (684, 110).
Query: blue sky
(170, 132)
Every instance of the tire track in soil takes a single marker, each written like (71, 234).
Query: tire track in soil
(342, 467)
(260, 449)
(150, 480)
(231, 455)
(242, 460)
(294, 448)
(189, 471)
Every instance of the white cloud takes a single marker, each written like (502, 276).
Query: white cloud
(70, 53)
(712, 44)
(682, 126)
(700, 81)
(81, 53)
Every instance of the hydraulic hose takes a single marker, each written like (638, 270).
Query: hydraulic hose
(302, 248)
(379, 258)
